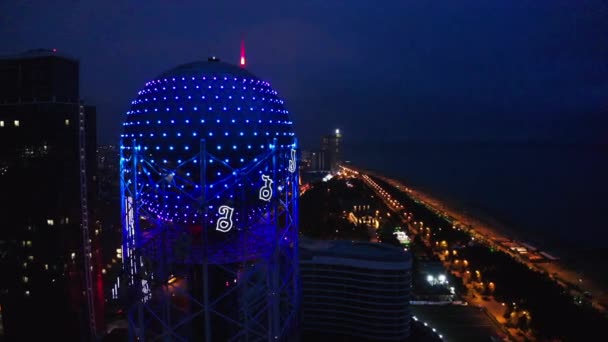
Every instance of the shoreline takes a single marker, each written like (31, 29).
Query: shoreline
(562, 270)
(482, 222)
(478, 218)
(570, 257)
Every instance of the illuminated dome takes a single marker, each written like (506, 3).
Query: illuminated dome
(205, 108)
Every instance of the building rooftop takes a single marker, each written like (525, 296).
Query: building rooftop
(352, 250)
(212, 66)
(37, 53)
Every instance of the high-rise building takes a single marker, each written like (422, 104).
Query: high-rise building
(357, 291)
(41, 258)
(331, 151)
(306, 160)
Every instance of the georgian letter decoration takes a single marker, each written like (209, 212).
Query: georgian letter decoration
(224, 223)
(266, 189)
(292, 161)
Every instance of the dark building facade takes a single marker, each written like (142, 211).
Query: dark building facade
(330, 155)
(41, 257)
(355, 291)
(327, 158)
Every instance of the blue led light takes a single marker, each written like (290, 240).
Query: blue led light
(185, 93)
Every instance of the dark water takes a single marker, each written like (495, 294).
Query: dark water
(553, 195)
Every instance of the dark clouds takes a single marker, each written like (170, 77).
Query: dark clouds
(391, 69)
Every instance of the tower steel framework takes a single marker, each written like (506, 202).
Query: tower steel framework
(191, 282)
(84, 210)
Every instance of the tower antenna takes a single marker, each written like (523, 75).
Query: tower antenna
(242, 62)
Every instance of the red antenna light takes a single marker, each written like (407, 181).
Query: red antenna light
(242, 53)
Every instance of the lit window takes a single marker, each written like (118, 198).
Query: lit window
(16, 122)
(27, 293)
(67, 122)
(50, 222)
(73, 256)
(1, 123)
(46, 266)
(25, 279)
(30, 257)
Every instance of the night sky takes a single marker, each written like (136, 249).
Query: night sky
(402, 70)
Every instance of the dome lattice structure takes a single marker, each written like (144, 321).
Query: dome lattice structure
(209, 188)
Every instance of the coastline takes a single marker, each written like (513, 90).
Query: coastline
(562, 270)
(483, 222)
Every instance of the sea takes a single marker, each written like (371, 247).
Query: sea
(551, 195)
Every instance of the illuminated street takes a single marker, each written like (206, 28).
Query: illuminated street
(481, 234)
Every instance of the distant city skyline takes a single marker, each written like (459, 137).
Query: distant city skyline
(415, 71)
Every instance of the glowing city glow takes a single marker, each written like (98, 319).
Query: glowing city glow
(402, 237)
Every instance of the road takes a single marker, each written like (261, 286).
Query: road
(566, 277)
(490, 237)
(493, 309)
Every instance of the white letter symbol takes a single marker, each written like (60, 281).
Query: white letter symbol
(292, 161)
(266, 190)
(224, 223)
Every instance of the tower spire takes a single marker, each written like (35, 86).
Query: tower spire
(242, 62)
